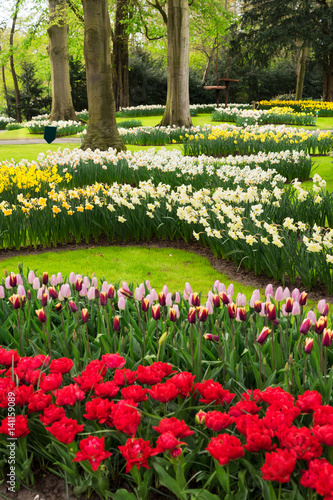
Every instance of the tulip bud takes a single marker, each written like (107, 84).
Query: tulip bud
(200, 417)
(216, 300)
(194, 299)
(156, 311)
(12, 280)
(224, 297)
(210, 336)
(202, 313)
(308, 346)
(85, 315)
(145, 304)
(53, 292)
(192, 314)
(41, 315)
(257, 306)
(116, 324)
(271, 313)
(161, 298)
(15, 300)
(96, 292)
(242, 313)
(58, 307)
(172, 314)
(232, 310)
(103, 298)
(303, 299)
(321, 324)
(28, 295)
(45, 278)
(263, 335)
(44, 299)
(78, 284)
(72, 305)
(305, 326)
(327, 337)
(111, 292)
(162, 338)
(289, 305)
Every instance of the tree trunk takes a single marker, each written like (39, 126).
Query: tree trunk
(300, 71)
(102, 132)
(177, 110)
(62, 103)
(328, 78)
(120, 57)
(12, 65)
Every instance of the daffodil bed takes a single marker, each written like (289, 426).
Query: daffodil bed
(285, 115)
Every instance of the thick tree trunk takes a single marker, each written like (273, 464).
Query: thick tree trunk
(62, 103)
(102, 130)
(120, 57)
(177, 110)
(300, 71)
(328, 78)
(12, 65)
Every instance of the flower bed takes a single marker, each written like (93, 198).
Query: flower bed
(283, 115)
(4, 121)
(228, 139)
(319, 107)
(68, 127)
(107, 385)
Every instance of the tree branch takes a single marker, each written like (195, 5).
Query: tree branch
(76, 11)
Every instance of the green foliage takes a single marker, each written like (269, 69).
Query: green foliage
(77, 75)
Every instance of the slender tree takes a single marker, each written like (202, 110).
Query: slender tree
(62, 104)
(120, 55)
(102, 132)
(11, 61)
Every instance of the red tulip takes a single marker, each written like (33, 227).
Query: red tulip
(192, 313)
(263, 335)
(41, 315)
(156, 312)
(85, 315)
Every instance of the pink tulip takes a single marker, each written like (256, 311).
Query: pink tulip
(65, 290)
(86, 281)
(216, 286)
(59, 278)
(286, 293)
(53, 280)
(84, 291)
(21, 291)
(36, 284)
(121, 303)
(148, 285)
(209, 307)
(31, 277)
(279, 294)
(296, 294)
(311, 315)
(2, 292)
(296, 309)
(91, 293)
(222, 288)
(177, 298)
(154, 294)
(168, 300)
(255, 297)
(138, 294)
(105, 287)
(19, 279)
(176, 308)
(230, 290)
(241, 300)
(94, 282)
(72, 278)
(165, 290)
(269, 290)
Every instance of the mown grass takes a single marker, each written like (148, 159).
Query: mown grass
(162, 266)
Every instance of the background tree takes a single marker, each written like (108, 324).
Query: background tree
(62, 104)
(102, 132)
(268, 27)
(11, 60)
(120, 54)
